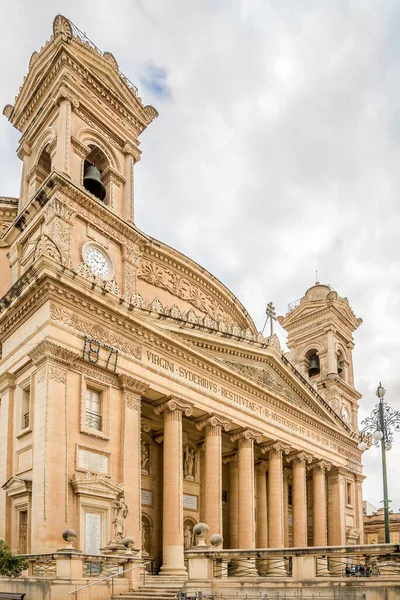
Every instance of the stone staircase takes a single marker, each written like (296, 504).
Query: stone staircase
(156, 587)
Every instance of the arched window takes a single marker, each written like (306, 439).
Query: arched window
(95, 165)
(313, 365)
(340, 364)
(43, 167)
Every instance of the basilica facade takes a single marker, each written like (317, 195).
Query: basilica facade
(133, 382)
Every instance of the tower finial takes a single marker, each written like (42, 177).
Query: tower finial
(316, 278)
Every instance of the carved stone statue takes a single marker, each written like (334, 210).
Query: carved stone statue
(187, 537)
(144, 455)
(119, 512)
(188, 464)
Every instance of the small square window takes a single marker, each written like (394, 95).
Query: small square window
(93, 417)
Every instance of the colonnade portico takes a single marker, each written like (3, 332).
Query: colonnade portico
(258, 505)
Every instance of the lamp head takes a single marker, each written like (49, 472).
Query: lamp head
(362, 446)
(377, 435)
(380, 392)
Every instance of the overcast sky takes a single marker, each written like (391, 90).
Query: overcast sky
(276, 152)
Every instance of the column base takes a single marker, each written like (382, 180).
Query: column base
(173, 571)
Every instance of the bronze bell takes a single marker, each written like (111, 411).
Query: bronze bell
(314, 366)
(93, 183)
(339, 368)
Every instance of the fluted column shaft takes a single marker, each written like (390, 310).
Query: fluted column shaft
(275, 499)
(173, 545)
(299, 504)
(246, 533)
(233, 508)
(262, 511)
(213, 425)
(319, 505)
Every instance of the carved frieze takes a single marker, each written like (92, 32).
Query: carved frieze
(94, 330)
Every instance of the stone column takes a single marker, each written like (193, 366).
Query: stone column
(129, 183)
(231, 459)
(50, 439)
(173, 549)
(62, 151)
(319, 470)
(262, 511)
(359, 508)
(131, 457)
(331, 355)
(7, 386)
(246, 529)
(336, 507)
(300, 499)
(275, 493)
(213, 425)
(287, 475)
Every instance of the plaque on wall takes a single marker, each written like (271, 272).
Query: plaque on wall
(92, 461)
(189, 502)
(147, 498)
(93, 533)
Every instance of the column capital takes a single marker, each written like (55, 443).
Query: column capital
(172, 404)
(320, 464)
(246, 434)
(132, 384)
(287, 474)
(275, 447)
(230, 458)
(146, 424)
(213, 420)
(262, 466)
(304, 457)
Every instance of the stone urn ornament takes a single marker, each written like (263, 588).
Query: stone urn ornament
(129, 543)
(70, 536)
(216, 540)
(200, 532)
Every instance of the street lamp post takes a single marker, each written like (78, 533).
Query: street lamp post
(380, 427)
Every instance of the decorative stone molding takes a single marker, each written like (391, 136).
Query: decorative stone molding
(174, 403)
(213, 420)
(61, 26)
(320, 464)
(7, 110)
(132, 384)
(7, 381)
(146, 425)
(46, 247)
(50, 351)
(15, 486)
(247, 434)
(275, 447)
(262, 466)
(96, 484)
(94, 330)
(79, 148)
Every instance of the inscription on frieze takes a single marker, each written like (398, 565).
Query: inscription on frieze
(230, 397)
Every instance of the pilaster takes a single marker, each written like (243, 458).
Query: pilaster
(7, 387)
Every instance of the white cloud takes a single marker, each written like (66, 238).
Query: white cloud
(277, 153)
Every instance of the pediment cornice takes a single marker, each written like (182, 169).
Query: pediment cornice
(15, 486)
(96, 484)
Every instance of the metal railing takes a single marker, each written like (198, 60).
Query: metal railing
(93, 420)
(110, 577)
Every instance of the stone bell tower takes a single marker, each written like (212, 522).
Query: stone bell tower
(79, 116)
(320, 327)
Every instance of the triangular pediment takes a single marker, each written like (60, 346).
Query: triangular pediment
(15, 486)
(96, 484)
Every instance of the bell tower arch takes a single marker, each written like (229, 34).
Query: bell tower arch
(320, 329)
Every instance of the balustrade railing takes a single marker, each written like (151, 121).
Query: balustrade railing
(298, 563)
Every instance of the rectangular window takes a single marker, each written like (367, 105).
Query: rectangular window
(349, 494)
(290, 495)
(93, 409)
(25, 408)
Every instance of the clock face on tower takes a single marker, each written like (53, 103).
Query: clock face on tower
(98, 260)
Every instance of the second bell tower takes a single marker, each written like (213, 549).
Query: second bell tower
(320, 327)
